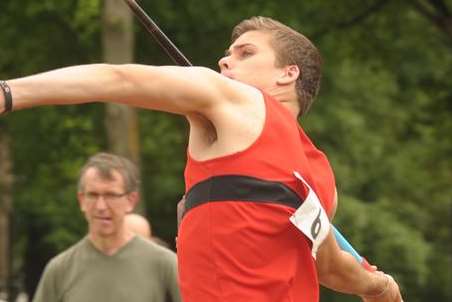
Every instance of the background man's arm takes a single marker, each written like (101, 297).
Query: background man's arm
(172, 280)
(47, 290)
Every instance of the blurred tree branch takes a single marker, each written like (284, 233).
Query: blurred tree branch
(354, 20)
(438, 12)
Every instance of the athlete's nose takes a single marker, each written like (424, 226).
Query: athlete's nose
(224, 63)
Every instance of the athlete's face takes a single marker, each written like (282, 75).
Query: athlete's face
(251, 60)
(105, 203)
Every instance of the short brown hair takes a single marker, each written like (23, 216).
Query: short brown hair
(292, 48)
(106, 163)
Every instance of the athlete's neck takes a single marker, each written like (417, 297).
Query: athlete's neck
(292, 107)
(287, 97)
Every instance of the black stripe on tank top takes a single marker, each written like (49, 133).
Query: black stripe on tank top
(240, 188)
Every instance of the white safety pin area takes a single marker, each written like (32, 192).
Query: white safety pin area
(310, 218)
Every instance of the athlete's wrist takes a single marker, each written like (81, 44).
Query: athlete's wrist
(380, 288)
(6, 99)
(2, 103)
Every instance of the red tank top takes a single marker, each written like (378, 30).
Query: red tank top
(249, 251)
(281, 148)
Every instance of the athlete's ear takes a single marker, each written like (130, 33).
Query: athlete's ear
(289, 74)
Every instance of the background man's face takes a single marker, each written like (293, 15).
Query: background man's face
(104, 203)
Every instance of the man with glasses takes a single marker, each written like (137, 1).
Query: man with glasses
(111, 263)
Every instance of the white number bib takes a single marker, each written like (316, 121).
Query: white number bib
(310, 218)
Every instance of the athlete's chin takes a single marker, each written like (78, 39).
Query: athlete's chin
(248, 80)
(228, 75)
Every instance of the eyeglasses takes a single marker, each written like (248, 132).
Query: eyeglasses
(107, 197)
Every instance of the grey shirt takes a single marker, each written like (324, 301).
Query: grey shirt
(141, 271)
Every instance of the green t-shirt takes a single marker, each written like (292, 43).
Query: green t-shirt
(141, 271)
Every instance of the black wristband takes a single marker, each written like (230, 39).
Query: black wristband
(8, 97)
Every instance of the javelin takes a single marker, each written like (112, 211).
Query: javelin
(171, 50)
(178, 57)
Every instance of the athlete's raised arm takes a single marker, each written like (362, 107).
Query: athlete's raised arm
(180, 90)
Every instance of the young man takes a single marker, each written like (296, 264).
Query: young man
(249, 166)
(111, 263)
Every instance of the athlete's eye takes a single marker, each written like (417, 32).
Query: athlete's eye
(246, 53)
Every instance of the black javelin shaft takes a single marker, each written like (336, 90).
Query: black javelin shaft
(171, 50)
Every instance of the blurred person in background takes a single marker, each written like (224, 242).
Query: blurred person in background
(141, 226)
(111, 263)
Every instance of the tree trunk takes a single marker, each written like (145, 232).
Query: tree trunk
(6, 180)
(121, 121)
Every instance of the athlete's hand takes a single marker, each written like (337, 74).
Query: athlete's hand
(180, 210)
(390, 293)
(180, 213)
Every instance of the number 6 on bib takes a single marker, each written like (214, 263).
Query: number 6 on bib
(310, 218)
